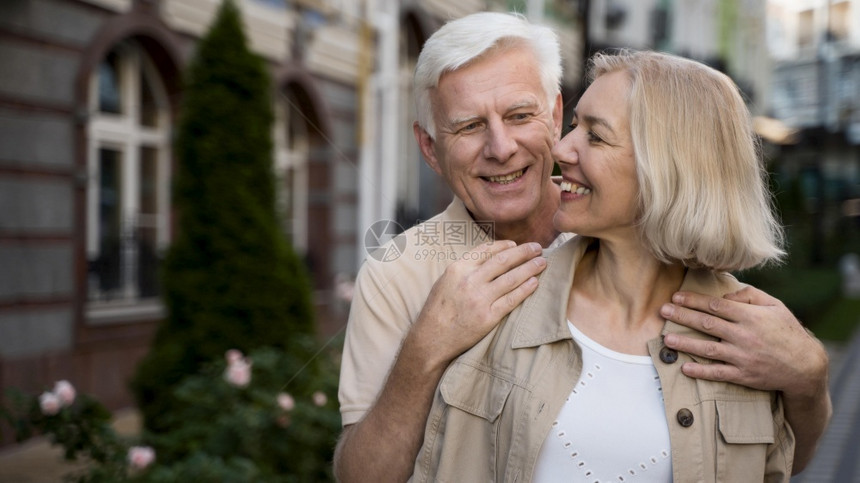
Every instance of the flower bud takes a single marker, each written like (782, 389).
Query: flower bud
(286, 402)
(319, 398)
(283, 421)
(233, 356)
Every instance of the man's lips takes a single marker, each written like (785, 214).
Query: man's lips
(506, 178)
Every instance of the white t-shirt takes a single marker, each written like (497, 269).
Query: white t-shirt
(612, 428)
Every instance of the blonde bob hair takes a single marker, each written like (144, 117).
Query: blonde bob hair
(703, 195)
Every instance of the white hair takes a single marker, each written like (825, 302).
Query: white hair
(460, 42)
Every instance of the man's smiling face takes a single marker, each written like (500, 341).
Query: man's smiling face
(495, 128)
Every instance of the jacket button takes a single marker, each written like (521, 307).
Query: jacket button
(669, 356)
(685, 417)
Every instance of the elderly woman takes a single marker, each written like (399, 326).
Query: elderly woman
(662, 182)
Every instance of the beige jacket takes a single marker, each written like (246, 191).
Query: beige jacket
(496, 403)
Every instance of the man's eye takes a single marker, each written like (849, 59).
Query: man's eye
(469, 127)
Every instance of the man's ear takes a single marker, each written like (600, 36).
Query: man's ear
(558, 116)
(425, 143)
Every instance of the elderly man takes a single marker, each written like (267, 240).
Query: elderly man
(489, 112)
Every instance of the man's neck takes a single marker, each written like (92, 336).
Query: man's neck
(542, 233)
(536, 228)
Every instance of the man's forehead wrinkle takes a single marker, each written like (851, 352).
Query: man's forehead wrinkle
(501, 105)
(460, 98)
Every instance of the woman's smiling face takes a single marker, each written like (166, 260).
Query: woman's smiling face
(600, 189)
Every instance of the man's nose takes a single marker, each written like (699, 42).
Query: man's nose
(500, 144)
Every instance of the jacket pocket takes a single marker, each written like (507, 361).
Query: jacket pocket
(462, 443)
(475, 391)
(746, 422)
(746, 432)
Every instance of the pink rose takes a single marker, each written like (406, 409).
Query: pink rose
(238, 373)
(49, 403)
(286, 402)
(65, 391)
(139, 457)
(319, 398)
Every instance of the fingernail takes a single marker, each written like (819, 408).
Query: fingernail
(667, 310)
(678, 298)
(535, 247)
(669, 339)
(539, 261)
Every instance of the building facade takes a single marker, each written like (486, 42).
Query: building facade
(815, 92)
(90, 93)
(726, 34)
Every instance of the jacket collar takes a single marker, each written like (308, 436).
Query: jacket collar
(542, 318)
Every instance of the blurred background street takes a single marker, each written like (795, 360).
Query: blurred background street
(838, 453)
(101, 104)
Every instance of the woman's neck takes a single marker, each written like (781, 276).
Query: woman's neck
(617, 293)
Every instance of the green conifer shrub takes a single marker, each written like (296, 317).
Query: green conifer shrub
(230, 279)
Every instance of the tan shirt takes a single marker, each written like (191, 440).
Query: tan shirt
(387, 299)
(496, 403)
(390, 294)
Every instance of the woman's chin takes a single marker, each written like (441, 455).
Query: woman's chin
(561, 224)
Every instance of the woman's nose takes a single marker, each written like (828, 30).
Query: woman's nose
(564, 151)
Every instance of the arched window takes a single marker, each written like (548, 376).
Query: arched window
(410, 165)
(292, 150)
(421, 192)
(128, 152)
